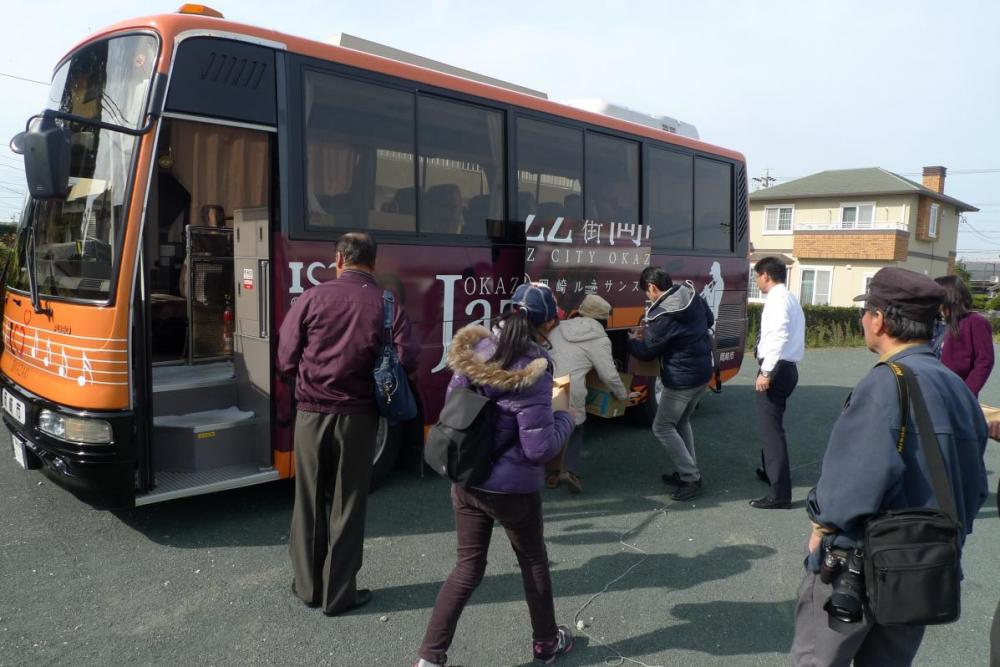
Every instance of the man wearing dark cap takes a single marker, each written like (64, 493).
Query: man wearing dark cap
(863, 474)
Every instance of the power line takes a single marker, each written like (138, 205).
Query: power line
(976, 231)
(21, 78)
(765, 180)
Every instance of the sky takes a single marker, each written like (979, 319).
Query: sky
(797, 86)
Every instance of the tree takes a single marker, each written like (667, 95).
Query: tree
(963, 273)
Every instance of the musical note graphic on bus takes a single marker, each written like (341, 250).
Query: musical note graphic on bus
(87, 360)
(85, 370)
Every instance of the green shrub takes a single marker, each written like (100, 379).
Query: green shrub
(826, 326)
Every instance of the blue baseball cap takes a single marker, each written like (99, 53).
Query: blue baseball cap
(537, 300)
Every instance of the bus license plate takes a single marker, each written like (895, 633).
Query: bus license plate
(19, 455)
(13, 406)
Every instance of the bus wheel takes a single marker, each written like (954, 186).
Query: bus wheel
(387, 439)
(645, 412)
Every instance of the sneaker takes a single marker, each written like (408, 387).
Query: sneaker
(424, 663)
(547, 653)
(673, 479)
(573, 481)
(688, 491)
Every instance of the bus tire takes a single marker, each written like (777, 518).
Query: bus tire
(645, 412)
(387, 440)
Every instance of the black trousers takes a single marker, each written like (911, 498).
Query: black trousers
(333, 454)
(770, 420)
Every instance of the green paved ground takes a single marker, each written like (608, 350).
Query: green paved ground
(711, 582)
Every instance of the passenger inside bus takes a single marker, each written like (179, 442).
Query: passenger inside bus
(442, 209)
(616, 203)
(404, 202)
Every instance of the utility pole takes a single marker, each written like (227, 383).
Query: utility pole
(763, 181)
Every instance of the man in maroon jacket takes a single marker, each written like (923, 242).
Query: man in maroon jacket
(329, 341)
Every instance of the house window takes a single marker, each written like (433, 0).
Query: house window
(777, 219)
(857, 216)
(753, 293)
(932, 226)
(815, 287)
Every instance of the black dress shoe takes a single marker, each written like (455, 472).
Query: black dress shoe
(762, 476)
(362, 597)
(673, 479)
(311, 605)
(770, 503)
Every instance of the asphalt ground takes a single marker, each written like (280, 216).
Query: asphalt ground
(708, 582)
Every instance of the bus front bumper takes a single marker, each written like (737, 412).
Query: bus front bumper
(101, 474)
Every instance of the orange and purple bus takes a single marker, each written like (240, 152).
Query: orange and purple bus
(189, 177)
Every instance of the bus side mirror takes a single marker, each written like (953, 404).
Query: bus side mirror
(46, 150)
(17, 143)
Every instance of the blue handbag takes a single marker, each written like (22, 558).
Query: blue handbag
(393, 396)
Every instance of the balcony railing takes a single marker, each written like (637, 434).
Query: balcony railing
(850, 226)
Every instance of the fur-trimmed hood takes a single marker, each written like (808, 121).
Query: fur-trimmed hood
(467, 355)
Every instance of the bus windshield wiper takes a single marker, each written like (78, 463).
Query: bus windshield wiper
(29, 257)
(83, 120)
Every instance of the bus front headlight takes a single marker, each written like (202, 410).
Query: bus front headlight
(74, 429)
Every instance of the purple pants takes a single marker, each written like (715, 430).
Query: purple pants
(475, 513)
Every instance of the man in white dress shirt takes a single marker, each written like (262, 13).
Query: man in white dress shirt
(780, 347)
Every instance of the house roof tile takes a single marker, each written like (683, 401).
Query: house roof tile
(869, 181)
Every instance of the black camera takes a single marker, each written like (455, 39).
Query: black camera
(847, 572)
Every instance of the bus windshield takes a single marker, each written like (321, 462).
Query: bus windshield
(75, 242)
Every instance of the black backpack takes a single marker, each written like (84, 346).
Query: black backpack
(460, 445)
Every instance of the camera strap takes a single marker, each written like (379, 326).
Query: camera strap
(910, 394)
(904, 402)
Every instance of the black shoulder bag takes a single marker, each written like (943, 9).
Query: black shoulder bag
(912, 556)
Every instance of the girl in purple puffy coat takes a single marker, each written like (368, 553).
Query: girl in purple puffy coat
(513, 369)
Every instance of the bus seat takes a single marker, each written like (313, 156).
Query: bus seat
(573, 206)
(441, 209)
(342, 207)
(525, 204)
(213, 215)
(550, 210)
(406, 201)
(478, 210)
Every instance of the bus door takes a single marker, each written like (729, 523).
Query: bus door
(208, 258)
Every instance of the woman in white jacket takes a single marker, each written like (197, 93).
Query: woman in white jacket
(580, 343)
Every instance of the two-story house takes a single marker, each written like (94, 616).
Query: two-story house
(835, 229)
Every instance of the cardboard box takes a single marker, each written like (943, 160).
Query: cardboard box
(600, 401)
(991, 413)
(560, 401)
(560, 393)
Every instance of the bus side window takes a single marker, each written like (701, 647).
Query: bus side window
(359, 155)
(461, 157)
